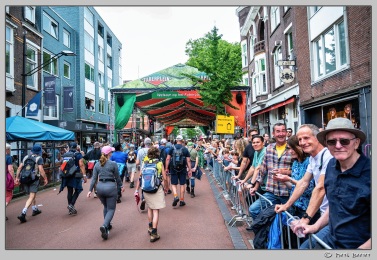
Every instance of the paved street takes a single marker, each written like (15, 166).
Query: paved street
(201, 224)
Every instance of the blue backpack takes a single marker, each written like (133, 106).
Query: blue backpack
(150, 181)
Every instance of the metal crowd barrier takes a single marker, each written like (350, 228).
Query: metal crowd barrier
(241, 200)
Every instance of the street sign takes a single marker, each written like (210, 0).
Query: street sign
(287, 75)
(286, 63)
(224, 124)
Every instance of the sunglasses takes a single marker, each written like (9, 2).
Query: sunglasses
(342, 141)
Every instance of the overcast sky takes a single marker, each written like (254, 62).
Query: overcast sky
(154, 38)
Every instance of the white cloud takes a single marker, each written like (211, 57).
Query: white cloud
(154, 38)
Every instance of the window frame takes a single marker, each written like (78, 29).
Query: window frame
(245, 61)
(277, 55)
(259, 78)
(9, 41)
(101, 106)
(53, 29)
(53, 64)
(66, 38)
(69, 69)
(88, 42)
(89, 16)
(51, 110)
(33, 64)
(275, 17)
(319, 55)
(91, 72)
(29, 13)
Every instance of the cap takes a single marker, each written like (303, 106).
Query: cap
(96, 145)
(107, 149)
(72, 145)
(147, 141)
(8, 146)
(340, 124)
(163, 141)
(37, 149)
(179, 137)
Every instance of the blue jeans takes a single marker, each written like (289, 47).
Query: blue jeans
(320, 234)
(256, 207)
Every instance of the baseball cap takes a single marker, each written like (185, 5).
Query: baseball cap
(163, 141)
(96, 144)
(179, 137)
(72, 145)
(107, 149)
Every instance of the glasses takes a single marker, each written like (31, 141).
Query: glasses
(342, 141)
(289, 131)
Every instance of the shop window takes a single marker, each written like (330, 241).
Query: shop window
(347, 109)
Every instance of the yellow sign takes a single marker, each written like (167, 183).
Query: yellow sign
(224, 124)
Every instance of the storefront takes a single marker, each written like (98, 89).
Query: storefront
(355, 106)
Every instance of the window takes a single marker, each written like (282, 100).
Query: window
(286, 8)
(313, 10)
(89, 42)
(31, 63)
(277, 56)
(88, 16)
(275, 17)
(101, 80)
(244, 53)
(51, 68)
(89, 72)
(259, 76)
(89, 104)
(100, 30)
(251, 49)
(109, 83)
(67, 70)
(245, 79)
(9, 51)
(50, 26)
(29, 13)
(290, 46)
(51, 111)
(109, 40)
(109, 62)
(101, 106)
(66, 38)
(330, 51)
(100, 53)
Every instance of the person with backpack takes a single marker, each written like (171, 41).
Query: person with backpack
(120, 158)
(131, 164)
(74, 182)
(31, 168)
(179, 161)
(92, 157)
(106, 174)
(153, 183)
(194, 159)
(141, 154)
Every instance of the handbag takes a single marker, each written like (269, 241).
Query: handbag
(91, 164)
(9, 182)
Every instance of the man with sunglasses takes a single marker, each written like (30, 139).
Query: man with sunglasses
(348, 189)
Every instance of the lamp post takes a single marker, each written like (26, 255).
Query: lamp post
(36, 69)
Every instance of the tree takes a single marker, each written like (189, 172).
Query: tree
(221, 61)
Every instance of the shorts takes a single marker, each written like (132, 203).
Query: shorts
(32, 187)
(181, 177)
(131, 167)
(155, 200)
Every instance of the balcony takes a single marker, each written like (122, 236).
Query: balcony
(259, 47)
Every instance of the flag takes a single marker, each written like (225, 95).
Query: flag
(49, 91)
(33, 105)
(68, 99)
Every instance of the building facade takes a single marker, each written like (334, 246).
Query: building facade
(324, 69)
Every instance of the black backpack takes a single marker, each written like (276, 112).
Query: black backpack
(131, 157)
(178, 159)
(68, 167)
(29, 169)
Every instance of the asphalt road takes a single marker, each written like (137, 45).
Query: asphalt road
(201, 224)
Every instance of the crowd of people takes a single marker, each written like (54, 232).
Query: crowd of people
(320, 176)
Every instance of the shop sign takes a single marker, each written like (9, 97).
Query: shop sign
(224, 124)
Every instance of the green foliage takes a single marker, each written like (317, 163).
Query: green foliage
(221, 61)
(175, 131)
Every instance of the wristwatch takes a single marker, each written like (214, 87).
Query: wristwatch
(305, 215)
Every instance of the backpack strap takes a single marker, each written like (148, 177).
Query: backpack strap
(321, 162)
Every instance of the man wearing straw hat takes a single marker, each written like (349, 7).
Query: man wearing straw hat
(348, 189)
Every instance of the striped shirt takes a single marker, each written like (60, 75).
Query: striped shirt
(272, 161)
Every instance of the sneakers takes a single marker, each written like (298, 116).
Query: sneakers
(192, 193)
(118, 200)
(110, 227)
(127, 179)
(142, 205)
(182, 203)
(71, 209)
(175, 201)
(104, 232)
(36, 212)
(132, 184)
(188, 189)
(22, 217)
(169, 191)
(150, 230)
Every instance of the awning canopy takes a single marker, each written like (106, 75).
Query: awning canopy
(171, 98)
(275, 106)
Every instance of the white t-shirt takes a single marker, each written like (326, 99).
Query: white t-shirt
(314, 169)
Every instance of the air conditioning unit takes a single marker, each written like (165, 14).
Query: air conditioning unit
(278, 43)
